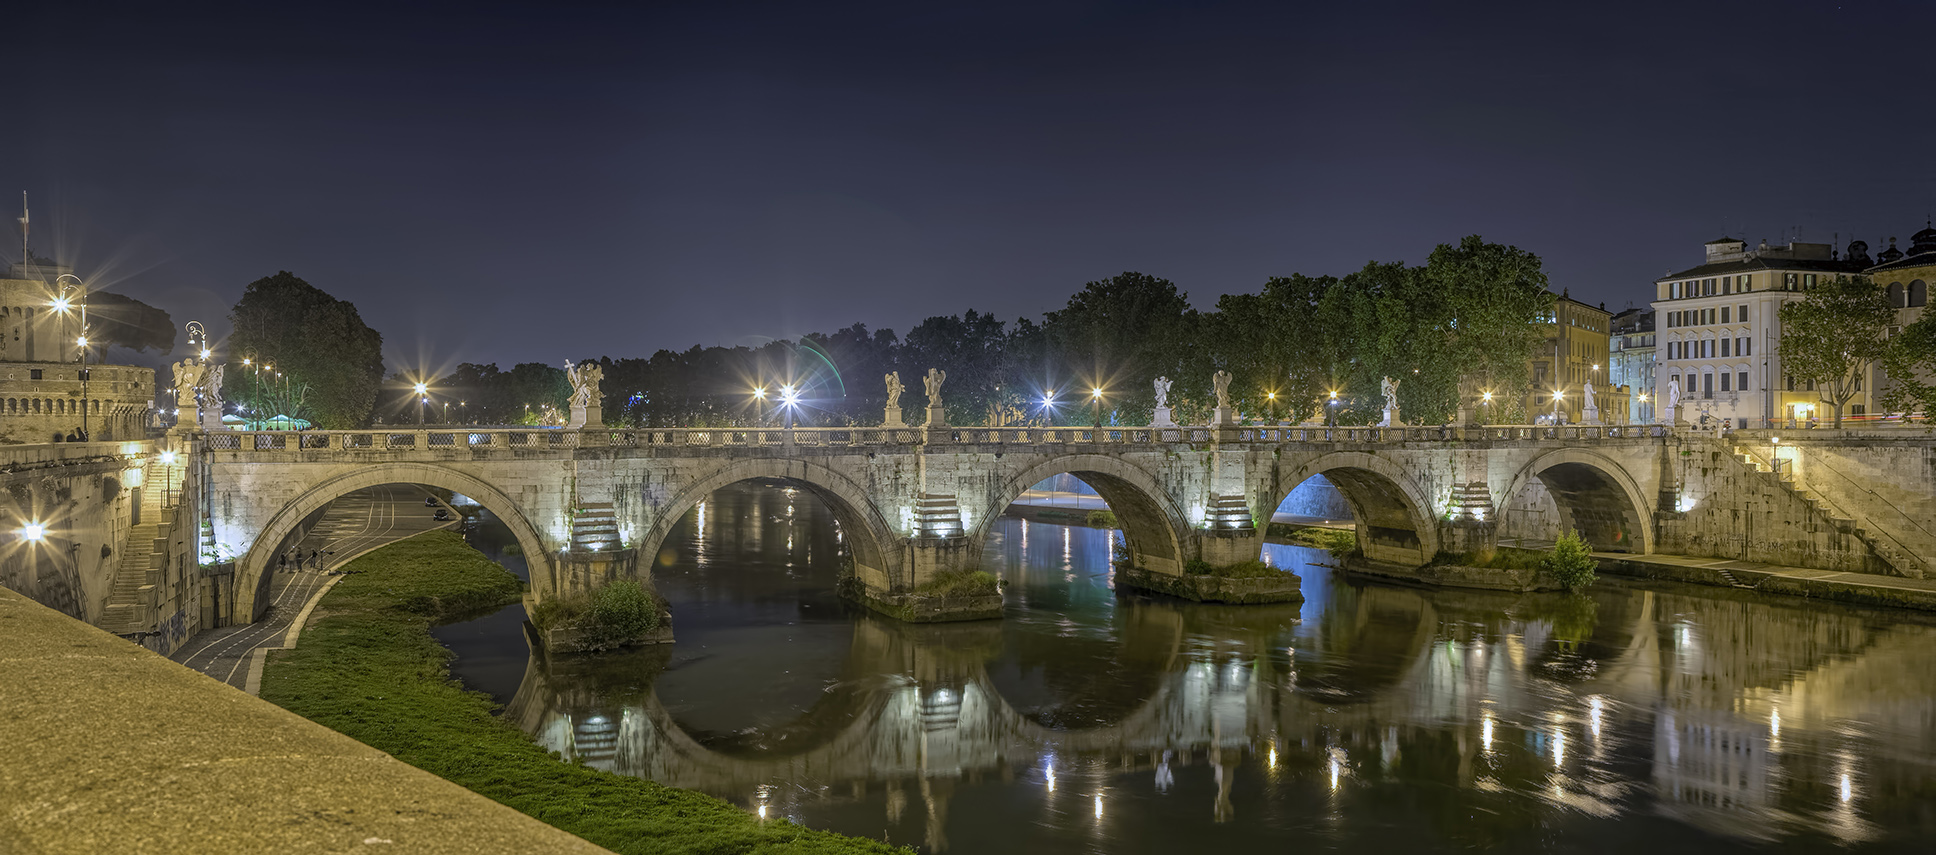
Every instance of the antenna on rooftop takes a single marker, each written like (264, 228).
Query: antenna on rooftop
(25, 256)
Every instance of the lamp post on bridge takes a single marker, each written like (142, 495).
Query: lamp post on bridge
(1095, 395)
(422, 391)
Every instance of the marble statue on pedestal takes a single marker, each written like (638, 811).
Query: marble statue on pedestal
(893, 416)
(937, 416)
(211, 411)
(1589, 410)
(1220, 383)
(1162, 416)
(587, 404)
(1390, 388)
(1671, 413)
(188, 376)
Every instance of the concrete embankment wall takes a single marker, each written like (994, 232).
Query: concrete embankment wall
(116, 749)
(88, 497)
(1886, 482)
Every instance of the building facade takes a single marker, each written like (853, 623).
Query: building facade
(1630, 356)
(1906, 277)
(1574, 354)
(46, 393)
(1720, 332)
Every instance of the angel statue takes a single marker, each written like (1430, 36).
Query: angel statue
(893, 390)
(584, 378)
(1221, 381)
(933, 381)
(1162, 391)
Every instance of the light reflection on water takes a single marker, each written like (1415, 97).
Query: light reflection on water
(1370, 716)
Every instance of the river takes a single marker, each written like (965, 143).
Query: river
(1371, 717)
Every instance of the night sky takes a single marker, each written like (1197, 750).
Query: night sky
(505, 183)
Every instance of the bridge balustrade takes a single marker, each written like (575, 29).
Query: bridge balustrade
(856, 437)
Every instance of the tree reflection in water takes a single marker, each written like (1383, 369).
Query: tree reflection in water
(1657, 716)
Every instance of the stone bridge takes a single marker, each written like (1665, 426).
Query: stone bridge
(915, 502)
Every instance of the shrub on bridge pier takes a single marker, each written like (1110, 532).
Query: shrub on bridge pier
(1571, 562)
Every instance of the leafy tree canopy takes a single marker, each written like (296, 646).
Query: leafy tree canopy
(316, 341)
(115, 320)
(1835, 334)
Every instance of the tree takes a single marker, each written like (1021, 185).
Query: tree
(316, 341)
(1834, 335)
(1911, 363)
(1485, 300)
(1120, 334)
(114, 320)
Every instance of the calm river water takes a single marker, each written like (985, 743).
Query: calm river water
(1371, 718)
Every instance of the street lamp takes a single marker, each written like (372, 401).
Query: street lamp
(1557, 397)
(1331, 409)
(1270, 407)
(423, 401)
(1095, 394)
(789, 398)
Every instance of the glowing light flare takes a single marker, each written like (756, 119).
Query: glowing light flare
(1099, 798)
(33, 531)
(204, 353)
(762, 811)
(1048, 774)
(1096, 393)
(1485, 733)
(1595, 709)
(1559, 747)
(789, 396)
(82, 341)
(759, 394)
(421, 388)
(1774, 724)
(1486, 396)
(1848, 788)
(1270, 760)
(60, 304)
(1557, 394)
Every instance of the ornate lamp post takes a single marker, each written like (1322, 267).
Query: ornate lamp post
(1095, 395)
(423, 401)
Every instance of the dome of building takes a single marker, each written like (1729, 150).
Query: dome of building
(1859, 251)
(1923, 241)
(1890, 254)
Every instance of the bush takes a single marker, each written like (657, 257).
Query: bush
(1102, 519)
(1338, 542)
(960, 583)
(609, 617)
(1571, 562)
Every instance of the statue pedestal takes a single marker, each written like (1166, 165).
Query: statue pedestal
(1391, 419)
(892, 418)
(1162, 418)
(937, 417)
(584, 415)
(188, 417)
(1221, 416)
(211, 419)
(1590, 416)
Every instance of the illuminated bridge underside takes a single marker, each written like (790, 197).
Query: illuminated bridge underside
(913, 502)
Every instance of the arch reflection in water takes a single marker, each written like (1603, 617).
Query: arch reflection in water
(1625, 718)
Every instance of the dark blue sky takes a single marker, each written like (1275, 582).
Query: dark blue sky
(508, 183)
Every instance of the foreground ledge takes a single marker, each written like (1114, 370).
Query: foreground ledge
(115, 749)
(1285, 587)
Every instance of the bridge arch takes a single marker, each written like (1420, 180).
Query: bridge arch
(1395, 519)
(249, 571)
(1594, 495)
(1155, 528)
(866, 530)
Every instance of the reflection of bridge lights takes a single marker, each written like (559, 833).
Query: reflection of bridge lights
(1048, 774)
(1774, 726)
(1270, 760)
(1848, 789)
(1559, 747)
(1595, 707)
(762, 811)
(1099, 799)
(1485, 733)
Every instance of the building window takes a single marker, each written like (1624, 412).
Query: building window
(33, 374)
(1707, 384)
(1724, 315)
(1746, 281)
(1788, 282)
(1896, 294)
(1858, 410)
(1918, 293)
(1741, 313)
(1724, 348)
(1741, 381)
(1724, 382)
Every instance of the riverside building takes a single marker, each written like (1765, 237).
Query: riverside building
(1719, 332)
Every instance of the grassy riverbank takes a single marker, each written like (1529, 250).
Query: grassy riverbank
(368, 667)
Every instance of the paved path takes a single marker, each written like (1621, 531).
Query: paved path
(350, 526)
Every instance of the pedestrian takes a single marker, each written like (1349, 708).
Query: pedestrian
(312, 560)
(282, 562)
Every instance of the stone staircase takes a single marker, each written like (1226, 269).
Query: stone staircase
(1227, 513)
(937, 515)
(143, 559)
(594, 528)
(1881, 544)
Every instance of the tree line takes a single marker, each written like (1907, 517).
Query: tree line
(1465, 321)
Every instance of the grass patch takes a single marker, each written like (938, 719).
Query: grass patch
(1103, 519)
(368, 667)
(612, 616)
(1338, 542)
(960, 583)
(1239, 570)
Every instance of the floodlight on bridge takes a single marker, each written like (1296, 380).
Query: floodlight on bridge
(33, 532)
